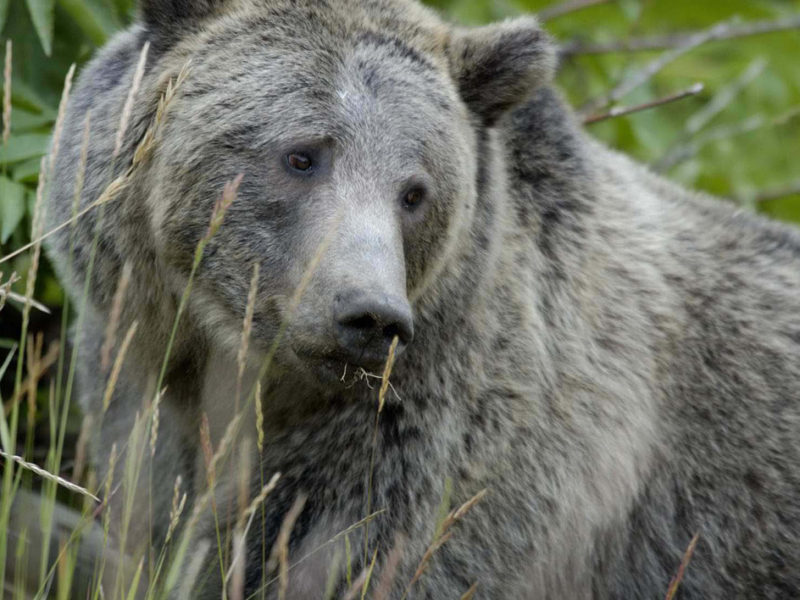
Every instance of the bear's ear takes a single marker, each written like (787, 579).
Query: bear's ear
(169, 15)
(498, 66)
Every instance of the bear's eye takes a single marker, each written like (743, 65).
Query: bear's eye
(299, 162)
(415, 197)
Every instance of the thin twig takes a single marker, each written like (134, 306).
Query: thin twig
(642, 76)
(555, 11)
(725, 97)
(621, 111)
(675, 40)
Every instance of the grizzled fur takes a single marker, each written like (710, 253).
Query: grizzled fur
(615, 359)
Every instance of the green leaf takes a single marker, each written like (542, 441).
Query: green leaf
(24, 147)
(96, 23)
(4, 4)
(42, 13)
(23, 95)
(12, 207)
(27, 171)
(25, 121)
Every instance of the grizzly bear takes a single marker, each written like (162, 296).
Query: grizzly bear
(613, 359)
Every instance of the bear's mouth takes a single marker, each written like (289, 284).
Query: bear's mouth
(336, 369)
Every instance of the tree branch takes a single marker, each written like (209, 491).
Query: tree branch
(638, 78)
(554, 11)
(662, 42)
(621, 111)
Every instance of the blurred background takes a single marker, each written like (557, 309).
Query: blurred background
(727, 120)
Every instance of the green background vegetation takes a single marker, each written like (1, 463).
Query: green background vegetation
(738, 138)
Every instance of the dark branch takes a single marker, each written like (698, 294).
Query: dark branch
(663, 42)
(564, 8)
(622, 111)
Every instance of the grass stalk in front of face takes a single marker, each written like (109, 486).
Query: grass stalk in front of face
(387, 372)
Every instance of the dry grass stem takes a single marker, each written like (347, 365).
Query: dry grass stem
(113, 457)
(117, 369)
(369, 574)
(262, 496)
(208, 451)
(154, 427)
(190, 577)
(242, 528)
(81, 447)
(37, 470)
(445, 534)
(470, 593)
(389, 571)
(247, 330)
(387, 372)
(148, 142)
(62, 112)
(227, 440)
(143, 152)
(259, 418)
(110, 338)
(333, 540)
(22, 300)
(131, 99)
(7, 92)
(236, 573)
(687, 557)
(357, 586)
(222, 205)
(178, 504)
(279, 557)
(38, 366)
(5, 288)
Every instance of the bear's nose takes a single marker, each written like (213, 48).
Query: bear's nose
(366, 324)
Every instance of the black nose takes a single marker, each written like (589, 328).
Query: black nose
(366, 324)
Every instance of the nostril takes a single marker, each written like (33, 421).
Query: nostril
(364, 323)
(395, 330)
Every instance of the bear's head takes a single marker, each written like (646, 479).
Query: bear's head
(354, 124)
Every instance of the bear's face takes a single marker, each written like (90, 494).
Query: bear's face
(358, 160)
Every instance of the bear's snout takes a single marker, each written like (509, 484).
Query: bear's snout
(366, 323)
